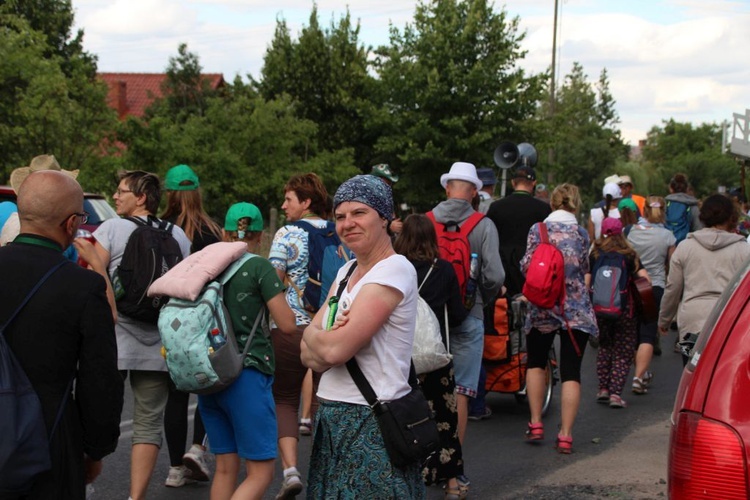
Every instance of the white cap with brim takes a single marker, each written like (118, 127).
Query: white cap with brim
(613, 190)
(461, 171)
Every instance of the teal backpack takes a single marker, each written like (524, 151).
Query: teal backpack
(198, 338)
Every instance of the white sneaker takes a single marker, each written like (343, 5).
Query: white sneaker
(291, 487)
(195, 461)
(178, 476)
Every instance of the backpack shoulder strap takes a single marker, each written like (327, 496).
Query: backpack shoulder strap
(543, 232)
(235, 266)
(302, 225)
(136, 220)
(470, 223)
(431, 216)
(163, 224)
(429, 271)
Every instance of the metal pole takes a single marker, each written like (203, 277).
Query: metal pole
(551, 152)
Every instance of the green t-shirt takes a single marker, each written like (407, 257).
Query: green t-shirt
(254, 284)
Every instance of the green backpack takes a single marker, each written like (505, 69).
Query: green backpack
(198, 338)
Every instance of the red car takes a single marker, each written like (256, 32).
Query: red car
(710, 424)
(93, 204)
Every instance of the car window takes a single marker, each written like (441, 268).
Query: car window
(98, 209)
(713, 317)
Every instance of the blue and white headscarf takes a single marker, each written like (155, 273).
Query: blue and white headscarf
(369, 190)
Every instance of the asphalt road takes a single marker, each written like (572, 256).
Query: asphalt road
(617, 453)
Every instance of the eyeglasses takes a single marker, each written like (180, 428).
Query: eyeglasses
(83, 216)
(120, 192)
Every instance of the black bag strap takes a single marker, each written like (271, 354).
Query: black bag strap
(356, 372)
(31, 293)
(150, 220)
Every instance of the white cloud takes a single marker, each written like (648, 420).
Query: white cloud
(674, 58)
(139, 17)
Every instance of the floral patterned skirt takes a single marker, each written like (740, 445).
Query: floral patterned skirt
(439, 388)
(349, 460)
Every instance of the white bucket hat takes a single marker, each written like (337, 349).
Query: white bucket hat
(461, 171)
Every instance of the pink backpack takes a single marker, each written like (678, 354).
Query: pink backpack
(545, 278)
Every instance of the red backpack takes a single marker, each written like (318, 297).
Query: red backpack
(545, 278)
(454, 245)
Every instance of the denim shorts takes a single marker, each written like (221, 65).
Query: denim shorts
(242, 418)
(467, 344)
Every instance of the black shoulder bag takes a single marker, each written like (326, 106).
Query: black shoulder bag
(407, 424)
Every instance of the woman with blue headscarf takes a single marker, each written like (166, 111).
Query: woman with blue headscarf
(374, 323)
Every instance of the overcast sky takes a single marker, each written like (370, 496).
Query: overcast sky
(681, 59)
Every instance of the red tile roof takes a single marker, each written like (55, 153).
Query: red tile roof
(131, 93)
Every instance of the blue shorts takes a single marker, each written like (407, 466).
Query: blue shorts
(467, 344)
(242, 418)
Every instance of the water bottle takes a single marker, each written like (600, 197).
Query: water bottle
(217, 339)
(117, 287)
(470, 297)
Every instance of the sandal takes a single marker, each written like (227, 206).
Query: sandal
(648, 377)
(640, 386)
(564, 444)
(458, 493)
(535, 432)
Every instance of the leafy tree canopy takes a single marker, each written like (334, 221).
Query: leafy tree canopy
(325, 73)
(243, 147)
(684, 148)
(44, 109)
(582, 134)
(451, 88)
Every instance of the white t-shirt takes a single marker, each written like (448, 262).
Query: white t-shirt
(132, 354)
(597, 216)
(386, 359)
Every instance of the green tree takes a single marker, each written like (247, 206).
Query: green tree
(243, 147)
(54, 19)
(46, 110)
(325, 73)
(185, 91)
(451, 88)
(695, 151)
(583, 134)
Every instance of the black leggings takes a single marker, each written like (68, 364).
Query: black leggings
(176, 424)
(538, 345)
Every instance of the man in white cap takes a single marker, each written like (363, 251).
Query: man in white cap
(626, 187)
(467, 341)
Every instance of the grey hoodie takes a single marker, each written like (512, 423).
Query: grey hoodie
(692, 202)
(484, 242)
(700, 269)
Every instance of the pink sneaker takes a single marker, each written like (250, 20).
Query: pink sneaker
(615, 401)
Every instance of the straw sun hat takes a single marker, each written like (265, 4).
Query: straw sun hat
(42, 162)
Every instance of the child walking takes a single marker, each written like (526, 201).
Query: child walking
(618, 334)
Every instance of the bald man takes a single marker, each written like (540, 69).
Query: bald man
(64, 333)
